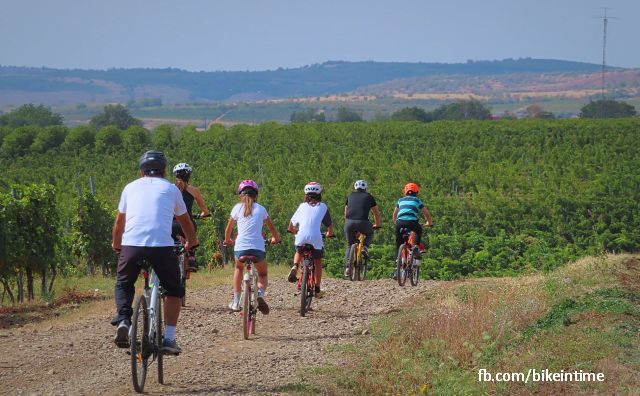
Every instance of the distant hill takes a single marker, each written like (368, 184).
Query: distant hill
(54, 86)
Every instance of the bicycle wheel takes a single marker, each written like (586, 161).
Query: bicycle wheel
(353, 265)
(246, 321)
(415, 275)
(363, 267)
(140, 345)
(158, 340)
(305, 297)
(183, 279)
(253, 308)
(401, 265)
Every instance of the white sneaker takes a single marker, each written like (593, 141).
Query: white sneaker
(234, 306)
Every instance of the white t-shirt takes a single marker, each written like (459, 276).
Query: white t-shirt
(309, 219)
(149, 204)
(250, 227)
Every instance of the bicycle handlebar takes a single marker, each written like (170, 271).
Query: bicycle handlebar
(200, 217)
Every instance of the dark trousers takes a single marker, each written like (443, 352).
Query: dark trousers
(350, 228)
(413, 225)
(163, 261)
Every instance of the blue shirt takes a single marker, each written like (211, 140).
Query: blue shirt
(409, 208)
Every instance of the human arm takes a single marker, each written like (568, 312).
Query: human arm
(118, 230)
(329, 233)
(197, 195)
(376, 217)
(395, 214)
(275, 236)
(427, 217)
(291, 228)
(227, 231)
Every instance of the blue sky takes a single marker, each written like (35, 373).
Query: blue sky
(260, 35)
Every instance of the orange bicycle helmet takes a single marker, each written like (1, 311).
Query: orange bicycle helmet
(411, 187)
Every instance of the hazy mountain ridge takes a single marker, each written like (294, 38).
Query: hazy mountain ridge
(57, 86)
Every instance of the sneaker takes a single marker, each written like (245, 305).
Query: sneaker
(293, 275)
(319, 294)
(122, 334)
(170, 347)
(262, 305)
(395, 274)
(347, 272)
(234, 306)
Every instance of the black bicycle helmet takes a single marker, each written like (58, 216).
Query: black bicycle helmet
(153, 162)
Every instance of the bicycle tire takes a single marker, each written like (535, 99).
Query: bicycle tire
(158, 340)
(362, 274)
(138, 343)
(415, 275)
(183, 279)
(246, 296)
(305, 301)
(401, 265)
(353, 262)
(253, 308)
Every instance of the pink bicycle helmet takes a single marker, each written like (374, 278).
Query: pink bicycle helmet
(247, 184)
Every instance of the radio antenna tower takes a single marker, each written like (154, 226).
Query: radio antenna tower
(605, 20)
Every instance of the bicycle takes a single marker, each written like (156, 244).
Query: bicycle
(146, 330)
(408, 264)
(307, 282)
(249, 294)
(358, 258)
(183, 257)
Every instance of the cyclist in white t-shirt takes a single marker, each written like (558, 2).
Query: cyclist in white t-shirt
(142, 230)
(306, 225)
(250, 217)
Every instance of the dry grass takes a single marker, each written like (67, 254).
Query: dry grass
(438, 342)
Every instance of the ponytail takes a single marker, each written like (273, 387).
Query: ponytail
(247, 201)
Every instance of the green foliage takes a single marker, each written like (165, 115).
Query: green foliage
(607, 108)
(49, 138)
(18, 141)
(30, 114)
(345, 114)
(506, 196)
(411, 114)
(90, 233)
(79, 138)
(108, 139)
(307, 115)
(471, 109)
(116, 115)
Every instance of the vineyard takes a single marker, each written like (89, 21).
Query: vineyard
(506, 196)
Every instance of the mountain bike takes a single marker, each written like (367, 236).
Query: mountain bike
(307, 282)
(408, 265)
(249, 294)
(358, 258)
(145, 334)
(183, 259)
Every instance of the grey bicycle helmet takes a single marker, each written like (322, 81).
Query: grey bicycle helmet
(153, 162)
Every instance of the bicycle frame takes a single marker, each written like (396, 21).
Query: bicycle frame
(152, 293)
(249, 297)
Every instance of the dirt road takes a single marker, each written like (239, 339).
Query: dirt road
(75, 354)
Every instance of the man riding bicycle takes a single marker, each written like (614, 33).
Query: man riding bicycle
(142, 230)
(356, 218)
(405, 215)
(190, 193)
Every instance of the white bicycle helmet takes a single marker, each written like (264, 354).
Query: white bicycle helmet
(182, 167)
(313, 188)
(360, 185)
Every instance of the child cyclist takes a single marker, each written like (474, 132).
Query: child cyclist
(305, 224)
(406, 213)
(250, 217)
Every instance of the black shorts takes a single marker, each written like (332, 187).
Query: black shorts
(163, 260)
(315, 253)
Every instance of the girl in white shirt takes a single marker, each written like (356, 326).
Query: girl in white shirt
(250, 217)
(305, 224)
